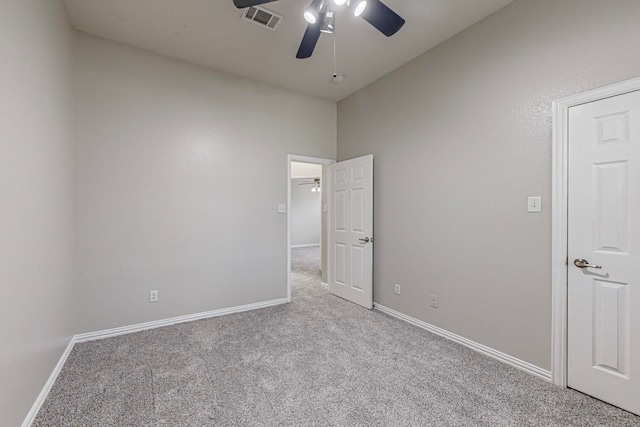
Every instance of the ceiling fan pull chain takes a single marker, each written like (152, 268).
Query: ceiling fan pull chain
(335, 72)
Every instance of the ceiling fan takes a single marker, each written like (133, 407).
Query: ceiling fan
(315, 183)
(374, 12)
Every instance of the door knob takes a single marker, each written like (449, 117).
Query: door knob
(365, 240)
(583, 263)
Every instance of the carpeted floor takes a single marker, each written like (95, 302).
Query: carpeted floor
(317, 361)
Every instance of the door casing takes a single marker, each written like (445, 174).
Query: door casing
(559, 203)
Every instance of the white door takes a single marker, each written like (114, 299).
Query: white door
(604, 250)
(350, 245)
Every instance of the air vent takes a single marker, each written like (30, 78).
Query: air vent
(263, 17)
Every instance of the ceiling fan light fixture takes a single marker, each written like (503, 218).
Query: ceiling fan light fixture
(310, 17)
(312, 14)
(360, 6)
(339, 2)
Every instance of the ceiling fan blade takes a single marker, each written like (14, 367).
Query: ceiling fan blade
(309, 40)
(384, 19)
(241, 4)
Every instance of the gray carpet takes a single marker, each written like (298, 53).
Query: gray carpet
(317, 361)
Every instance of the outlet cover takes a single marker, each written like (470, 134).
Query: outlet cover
(397, 289)
(153, 296)
(434, 301)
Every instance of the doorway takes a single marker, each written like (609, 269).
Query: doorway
(596, 252)
(306, 216)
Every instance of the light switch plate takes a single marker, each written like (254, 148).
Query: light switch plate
(325, 208)
(282, 208)
(534, 204)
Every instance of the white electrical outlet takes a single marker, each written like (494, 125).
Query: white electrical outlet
(397, 289)
(434, 301)
(153, 296)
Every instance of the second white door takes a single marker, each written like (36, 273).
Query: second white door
(350, 237)
(604, 250)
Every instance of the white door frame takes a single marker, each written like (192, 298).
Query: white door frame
(559, 250)
(302, 159)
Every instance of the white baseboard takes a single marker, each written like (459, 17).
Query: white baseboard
(305, 246)
(324, 284)
(480, 348)
(108, 333)
(47, 387)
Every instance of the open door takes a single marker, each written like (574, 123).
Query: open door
(604, 250)
(350, 237)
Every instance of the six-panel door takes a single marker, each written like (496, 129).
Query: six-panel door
(350, 259)
(604, 230)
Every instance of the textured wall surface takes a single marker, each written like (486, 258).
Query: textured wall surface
(36, 199)
(305, 214)
(179, 173)
(461, 136)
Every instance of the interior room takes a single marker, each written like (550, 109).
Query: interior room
(307, 221)
(147, 198)
(306, 204)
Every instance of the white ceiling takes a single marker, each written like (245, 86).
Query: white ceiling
(211, 33)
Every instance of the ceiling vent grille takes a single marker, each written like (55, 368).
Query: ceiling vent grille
(263, 17)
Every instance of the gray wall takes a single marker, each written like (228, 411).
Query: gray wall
(461, 136)
(36, 199)
(305, 214)
(179, 173)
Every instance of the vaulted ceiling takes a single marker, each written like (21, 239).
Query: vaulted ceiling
(211, 33)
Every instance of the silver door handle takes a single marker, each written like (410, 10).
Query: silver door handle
(583, 263)
(365, 240)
